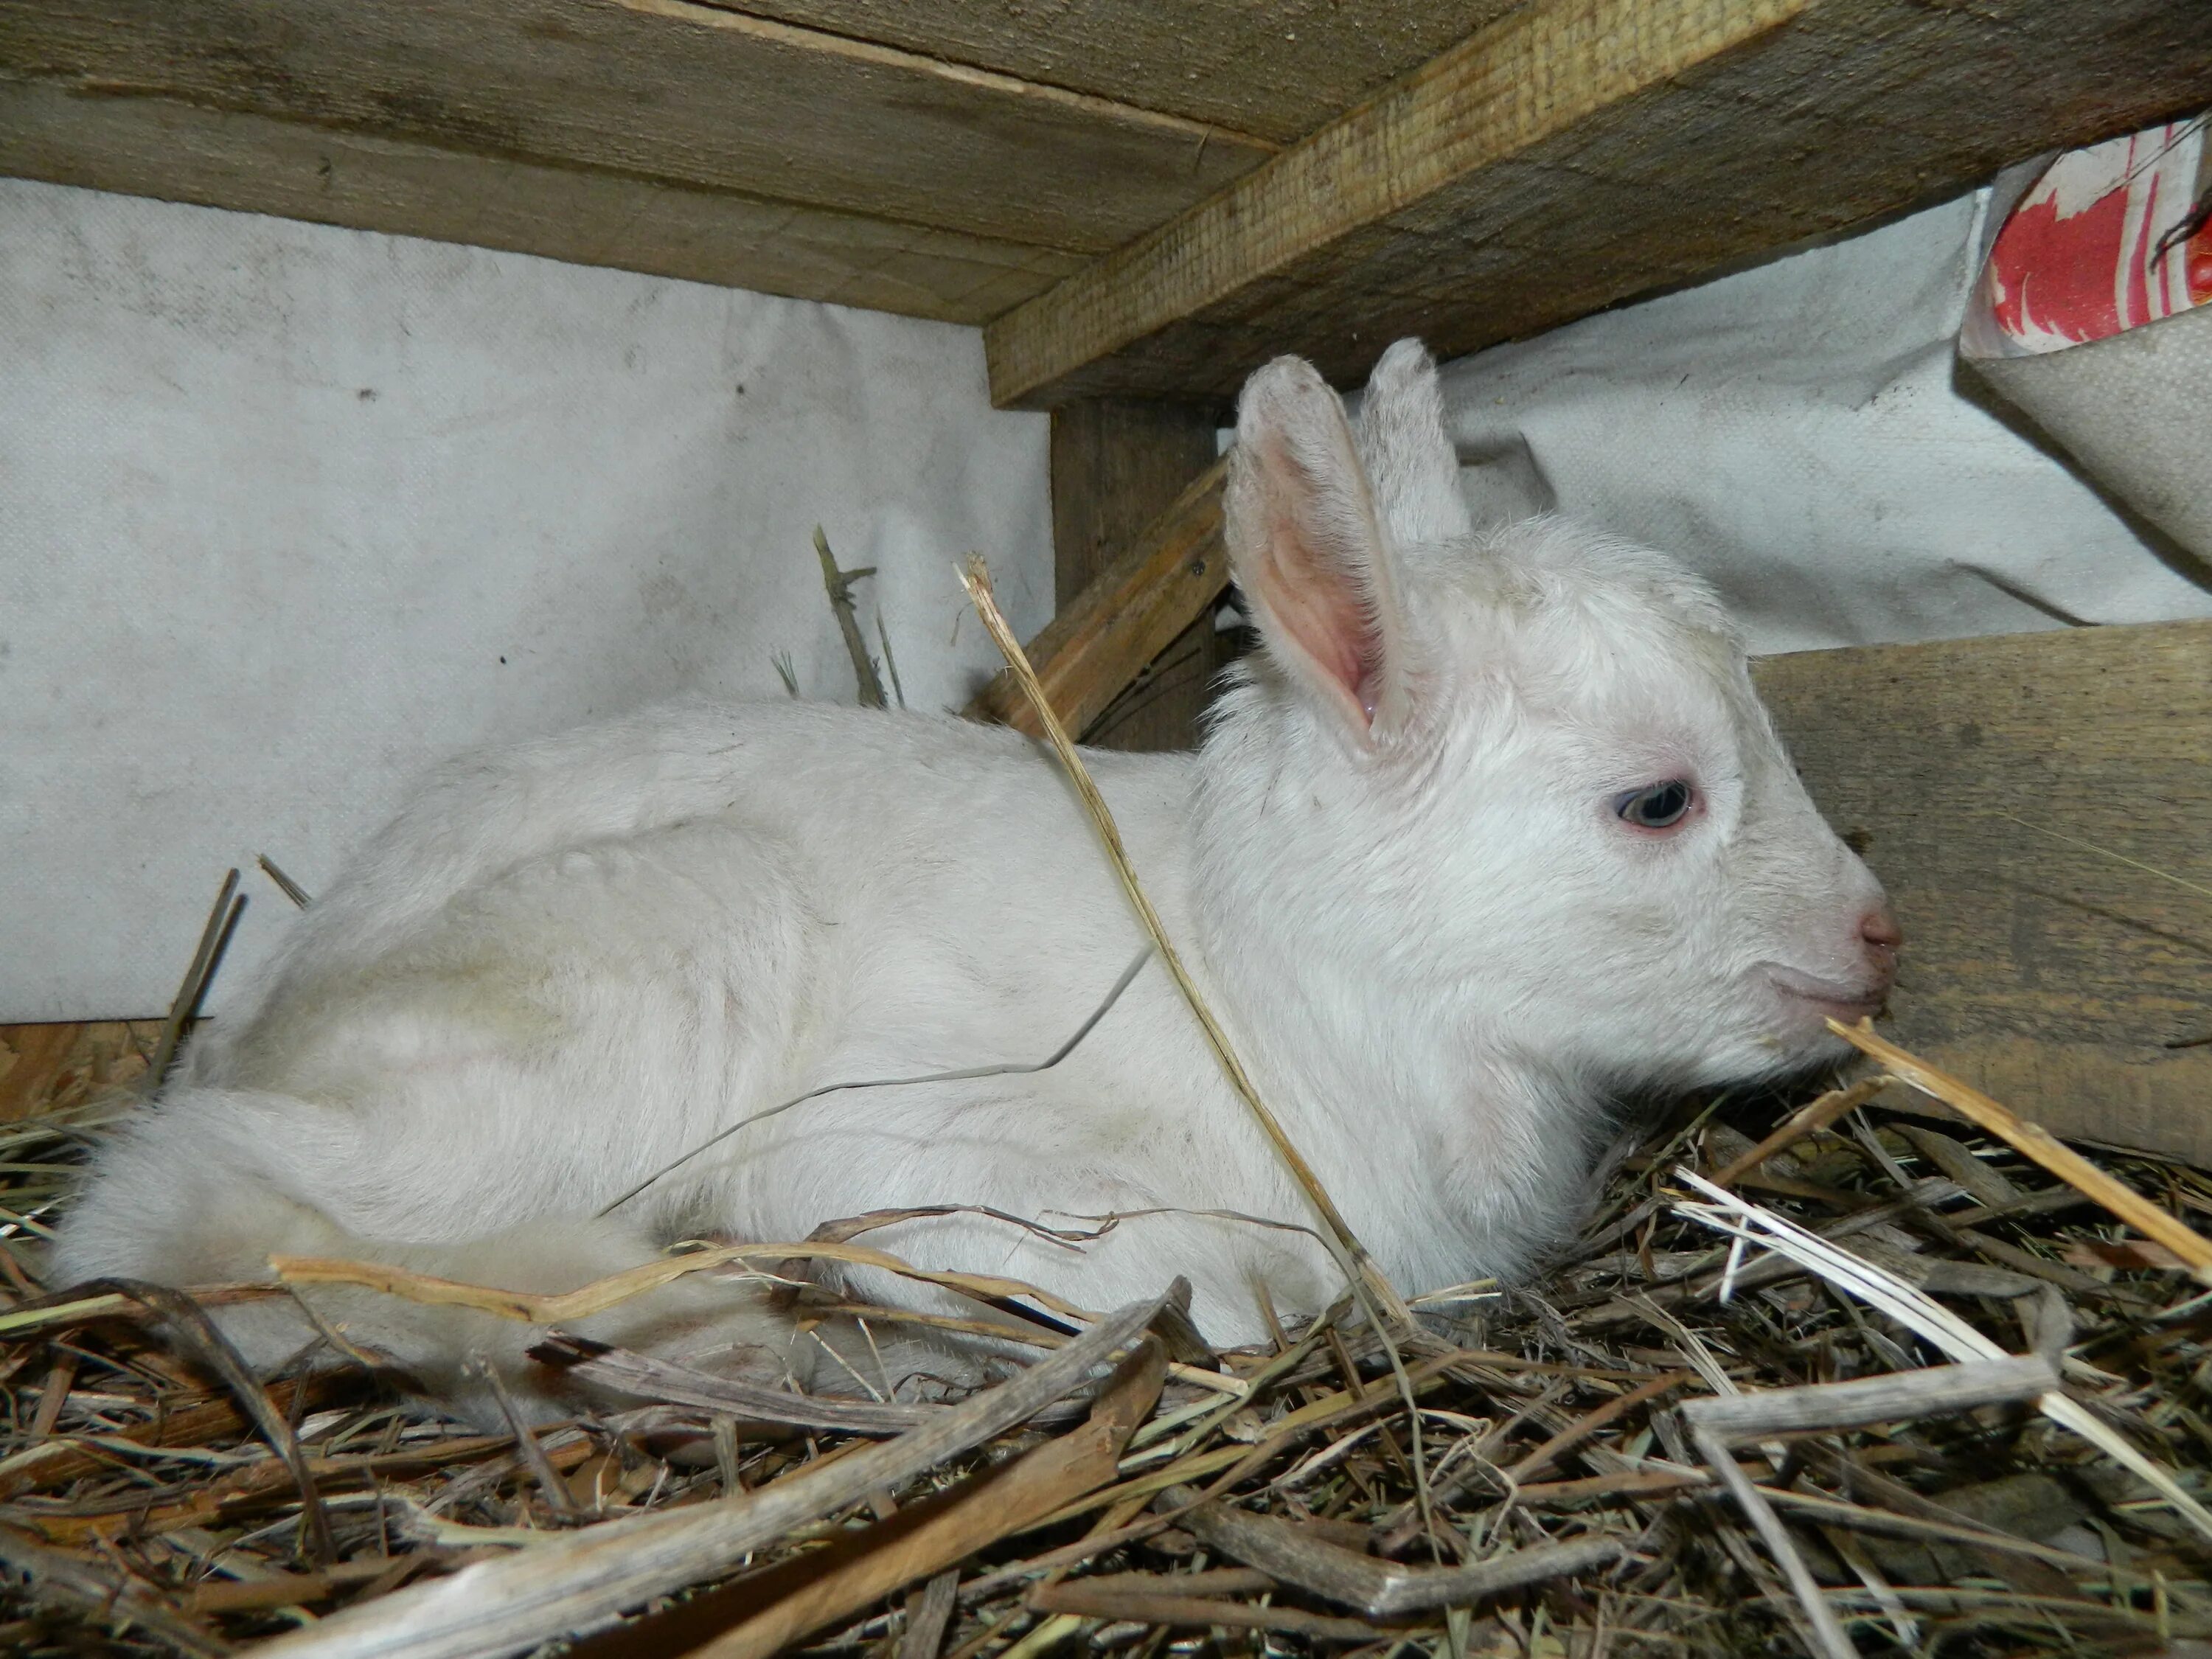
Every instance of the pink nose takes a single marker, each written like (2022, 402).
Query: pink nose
(1878, 928)
(1881, 934)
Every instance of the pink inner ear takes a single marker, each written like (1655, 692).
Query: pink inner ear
(1315, 602)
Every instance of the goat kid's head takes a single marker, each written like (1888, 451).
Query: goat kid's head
(1523, 772)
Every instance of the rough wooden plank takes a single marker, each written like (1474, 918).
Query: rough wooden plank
(1115, 468)
(662, 90)
(1134, 610)
(181, 152)
(50, 1067)
(1580, 151)
(1279, 70)
(2073, 987)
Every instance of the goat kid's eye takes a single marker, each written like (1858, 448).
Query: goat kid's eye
(1655, 806)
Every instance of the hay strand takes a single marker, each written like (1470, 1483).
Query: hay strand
(2034, 1140)
(975, 577)
(838, 584)
(583, 1580)
(1928, 1319)
(199, 974)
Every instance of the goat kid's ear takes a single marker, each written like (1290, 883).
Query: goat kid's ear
(1412, 468)
(1310, 554)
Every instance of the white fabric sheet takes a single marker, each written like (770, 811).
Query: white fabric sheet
(289, 512)
(2132, 409)
(1799, 433)
(276, 500)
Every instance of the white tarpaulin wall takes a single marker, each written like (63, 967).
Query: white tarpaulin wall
(1799, 433)
(275, 499)
(288, 512)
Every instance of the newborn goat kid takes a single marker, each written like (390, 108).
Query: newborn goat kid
(1494, 833)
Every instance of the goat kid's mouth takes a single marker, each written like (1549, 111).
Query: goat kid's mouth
(1834, 999)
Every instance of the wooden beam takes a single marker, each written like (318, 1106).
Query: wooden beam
(1581, 151)
(185, 152)
(666, 92)
(1981, 776)
(1142, 601)
(1116, 468)
(1279, 70)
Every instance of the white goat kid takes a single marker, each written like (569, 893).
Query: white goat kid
(1492, 833)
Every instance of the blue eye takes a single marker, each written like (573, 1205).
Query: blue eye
(1656, 806)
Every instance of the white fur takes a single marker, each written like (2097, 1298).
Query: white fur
(1395, 868)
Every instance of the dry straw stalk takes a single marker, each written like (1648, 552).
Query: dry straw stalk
(583, 1580)
(975, 577)
(2034, 1140)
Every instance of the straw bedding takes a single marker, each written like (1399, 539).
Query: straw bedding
(1234, 1502)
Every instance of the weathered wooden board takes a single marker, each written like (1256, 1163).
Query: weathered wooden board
(2072, 986)
(1277, 70)
(662, 90)
(1580, 151)
(185, 152)
(1116, 468)
(1141, 601)
(46, 1068)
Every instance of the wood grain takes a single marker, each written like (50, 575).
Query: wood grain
(2060, 981)
(1134, 610)
(1279, 70)
(660, 90)
(1115, 468)
(184, 153)
(1581, 151)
